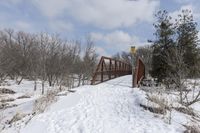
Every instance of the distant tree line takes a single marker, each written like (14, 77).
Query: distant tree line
(45, 57)
(144, 52)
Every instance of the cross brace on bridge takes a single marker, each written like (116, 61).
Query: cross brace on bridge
(109, 68)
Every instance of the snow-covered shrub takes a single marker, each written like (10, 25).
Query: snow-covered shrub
(2, 105)
(1, 120)
(156, 110)
(159, 100)
(192, 129)
(163, 105)
(188, 111)
(23, 96)
(9, 99)
(18, 116)
(42, 103)
(6, 91)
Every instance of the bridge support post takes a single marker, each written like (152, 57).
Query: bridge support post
(133, 63)
(115, 68)
(110, 69)
(102, 71)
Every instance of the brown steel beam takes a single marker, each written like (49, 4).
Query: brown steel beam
(107, 70)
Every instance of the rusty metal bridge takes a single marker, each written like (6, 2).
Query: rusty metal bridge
(109, 68)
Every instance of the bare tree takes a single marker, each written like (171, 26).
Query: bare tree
(89, 60)
(126, 57)
(45, 57)
(177, 74)
(9, 54)
(68, 60)
(145, 53)
(117, 56)
(42, 40)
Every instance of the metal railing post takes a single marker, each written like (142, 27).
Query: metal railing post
(102, 70)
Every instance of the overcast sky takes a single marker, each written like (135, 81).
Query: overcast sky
(114, 25)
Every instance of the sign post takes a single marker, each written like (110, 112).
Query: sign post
(133, 52)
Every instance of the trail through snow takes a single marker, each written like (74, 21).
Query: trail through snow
(110, 107)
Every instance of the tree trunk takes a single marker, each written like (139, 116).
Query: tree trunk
(20, 81)
(50, 82)
(181, 94)
(72, 82)
(60, 87)
(79, 80)
(42, 87)
(83, 80)
(35, 85)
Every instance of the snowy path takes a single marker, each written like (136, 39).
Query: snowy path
(111, 107)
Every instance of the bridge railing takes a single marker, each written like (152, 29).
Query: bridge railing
(109, 68)
(139, 73)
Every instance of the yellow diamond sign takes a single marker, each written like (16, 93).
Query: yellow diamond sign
(133, 50)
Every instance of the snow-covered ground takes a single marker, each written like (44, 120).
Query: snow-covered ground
(110, 107)
(21, 102)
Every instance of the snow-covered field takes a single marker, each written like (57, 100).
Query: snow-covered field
(21, 102)
(110, 107)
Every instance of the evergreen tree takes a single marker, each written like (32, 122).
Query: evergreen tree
(187, 40)
(164, 41)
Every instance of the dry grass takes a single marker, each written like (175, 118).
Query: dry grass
(18, 116)
(156, 110)
(188, 111)
(6, 91)
(3, 105)
(2, 116)
(192, 129)
(24, 96)
(42, 103)
(4, 100)
(7, 105)
(159, 100)
(4, 83)
(164, 106)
